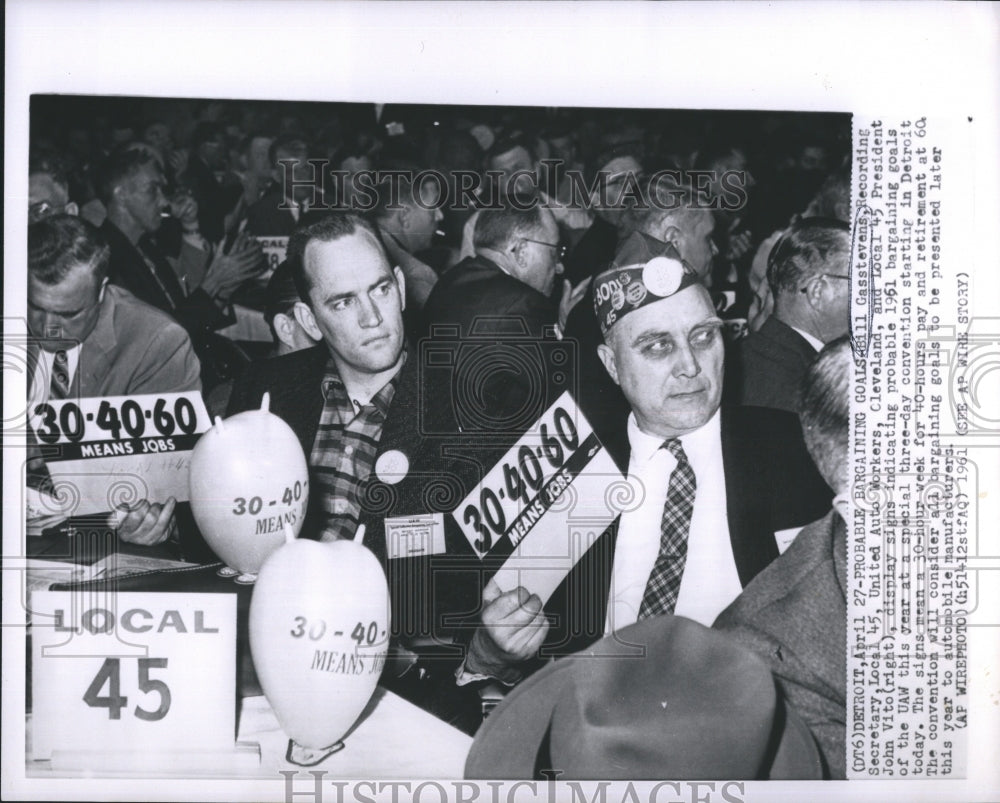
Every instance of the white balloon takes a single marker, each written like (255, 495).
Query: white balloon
(248, 481)
(319, 635)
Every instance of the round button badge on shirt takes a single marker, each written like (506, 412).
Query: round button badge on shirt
(392, 466)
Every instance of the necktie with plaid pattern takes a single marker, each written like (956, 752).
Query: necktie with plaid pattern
(665, 579)
(59, 384)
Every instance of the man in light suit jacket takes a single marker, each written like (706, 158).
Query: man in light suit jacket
(123, 346)
(794, 613)
(94, 339)
(751, 478)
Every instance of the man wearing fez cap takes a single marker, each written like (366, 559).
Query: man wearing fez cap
(714, 485)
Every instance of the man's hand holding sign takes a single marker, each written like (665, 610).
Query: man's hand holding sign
(127, 454)
(514, 627)
(541, 508)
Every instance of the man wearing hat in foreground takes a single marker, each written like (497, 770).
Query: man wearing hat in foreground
(794, 613)
(715, 485)
(682, 702)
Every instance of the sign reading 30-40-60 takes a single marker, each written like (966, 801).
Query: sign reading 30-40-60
(545, 502)
(104, 451)
(138, 672)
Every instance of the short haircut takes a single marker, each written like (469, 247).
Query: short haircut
(286, 143)
(825, 410)
(662, 198)
(331, 228)
(495, 228)
(281, 293)
(60, 243)
(608, 155)
(122, 163)
(406, 193)
(506, 144)
(805, 250)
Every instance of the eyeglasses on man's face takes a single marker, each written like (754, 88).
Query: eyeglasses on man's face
(829, 276)
(561, 250)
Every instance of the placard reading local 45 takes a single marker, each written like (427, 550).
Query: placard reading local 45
(131, 671)
(103, 451)
(546, 502)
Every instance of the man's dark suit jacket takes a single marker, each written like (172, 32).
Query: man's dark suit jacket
(434, 483)
(499, 323)
(772, 362)
(196, 312)
(593, 253)
(214, 198)
(265, 218)
(771, 485)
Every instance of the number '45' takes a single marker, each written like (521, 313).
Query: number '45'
(110, 673)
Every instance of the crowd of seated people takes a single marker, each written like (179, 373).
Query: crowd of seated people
(689, 265)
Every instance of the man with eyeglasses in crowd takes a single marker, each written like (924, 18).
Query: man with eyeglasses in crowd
(503, 292)
(808, 276)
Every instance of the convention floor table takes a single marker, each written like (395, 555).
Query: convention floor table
(393, 738)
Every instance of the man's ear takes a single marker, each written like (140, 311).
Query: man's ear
(283, 329)
(100, 293)
(403, 217)
(607, 355)
(672, 235)
(815, 291)
(307, 320)
(72, 209)
(401, 281)
(518, 251)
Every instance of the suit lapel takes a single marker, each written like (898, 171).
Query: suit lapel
(746, 502)
(299, 400)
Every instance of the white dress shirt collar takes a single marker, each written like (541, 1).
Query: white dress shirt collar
(815, 342)
(701, 441)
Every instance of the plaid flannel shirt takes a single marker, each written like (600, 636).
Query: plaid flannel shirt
(343, 453)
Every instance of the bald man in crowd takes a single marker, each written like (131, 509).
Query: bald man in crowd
(808, 275)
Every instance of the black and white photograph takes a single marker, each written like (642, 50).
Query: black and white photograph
(432, 402)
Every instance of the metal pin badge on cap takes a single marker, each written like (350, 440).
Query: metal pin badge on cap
(644, 270)
(392, 466)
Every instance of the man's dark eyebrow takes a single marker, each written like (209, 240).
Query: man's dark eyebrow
(654, 334)
(381, 281)
(650, 334)
(335, 298)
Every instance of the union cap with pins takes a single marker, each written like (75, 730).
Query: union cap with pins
(643, 271)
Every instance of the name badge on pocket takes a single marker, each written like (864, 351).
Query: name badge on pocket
(415, 536)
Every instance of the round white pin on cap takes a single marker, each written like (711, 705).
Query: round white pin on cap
(662, 276)
(392, 466)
